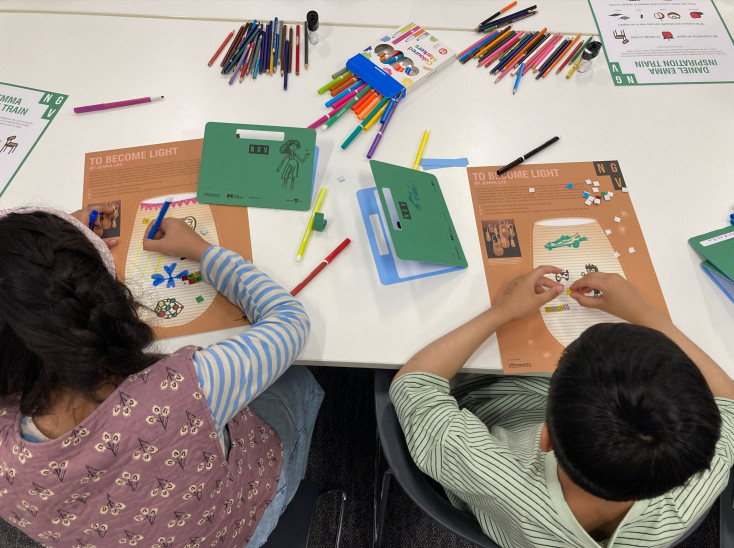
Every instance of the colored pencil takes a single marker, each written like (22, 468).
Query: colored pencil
(323, 264)
(546, 66)
(520, 14)
(513, 53)
(287, 63)
(469, 52)
(558, 59)
(517, 80)
(233, 45)
(258, 55)
(283, 37)
(508, 20)
(116, 104)
(578, 53)
(493, 46)
(565, 63)
(305, 45)
(541, 55)
(498, 36)
(574, 67)
(265, 52)
(527, 47)
(298, 49)
(386, 120)
(424, 140)
(250, 49)
(278, 43)
(503, 10)
(478, 42)
(244, 41)
(290, 49)
(240, 63)
(535, 47)
(505, 47)
(214, 57)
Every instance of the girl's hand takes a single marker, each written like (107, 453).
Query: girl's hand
(83, 216)
(174, 237)
(527, 293)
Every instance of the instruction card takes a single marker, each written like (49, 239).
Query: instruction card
(664, 41)
(576, 216)
(25, 113)
(136, 182)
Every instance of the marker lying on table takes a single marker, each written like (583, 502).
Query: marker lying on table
(521, 159)
(330, 257)
(161, 214)
(105, 106)
(309, 226)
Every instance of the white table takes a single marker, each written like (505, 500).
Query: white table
(672, 142)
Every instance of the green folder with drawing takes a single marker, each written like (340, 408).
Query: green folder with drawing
(257, 166)
(416, 217)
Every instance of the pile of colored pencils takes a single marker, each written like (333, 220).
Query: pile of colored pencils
(348, 92)
(519, 52)
(260, 47)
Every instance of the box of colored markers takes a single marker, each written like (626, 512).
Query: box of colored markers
(396, 64)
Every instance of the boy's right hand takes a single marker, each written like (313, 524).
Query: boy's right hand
(174, 237)
(618, 297)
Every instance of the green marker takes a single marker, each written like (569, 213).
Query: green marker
(346, 107)
(334, 81)
(366, 120)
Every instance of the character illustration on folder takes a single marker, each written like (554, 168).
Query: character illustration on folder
(291, 161)
(408, 225)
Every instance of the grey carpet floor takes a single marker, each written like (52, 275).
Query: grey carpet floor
(342, 455)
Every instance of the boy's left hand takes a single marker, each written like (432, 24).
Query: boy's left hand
(527, 293)
(83, 216)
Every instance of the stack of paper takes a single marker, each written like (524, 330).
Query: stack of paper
(718, 248)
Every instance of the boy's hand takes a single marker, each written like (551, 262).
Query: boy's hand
(175, 238)
(83, 216)
(527, 293)
(619, 298)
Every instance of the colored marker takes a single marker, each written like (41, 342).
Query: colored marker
(93, 218)
(309, 226)
(159, 219)
(330, 257)
(418, 156)
(116, 104)
(335, 81)
(386, 120)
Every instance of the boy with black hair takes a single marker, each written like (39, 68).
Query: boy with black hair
(628, 443)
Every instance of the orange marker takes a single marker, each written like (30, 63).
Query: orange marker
(365, 98)
(365, 109)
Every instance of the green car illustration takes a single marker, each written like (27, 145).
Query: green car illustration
(566, 241)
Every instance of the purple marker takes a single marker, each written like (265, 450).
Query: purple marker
(378, 137)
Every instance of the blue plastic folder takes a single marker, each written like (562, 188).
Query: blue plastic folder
(408, 225)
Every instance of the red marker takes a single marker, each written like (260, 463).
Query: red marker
(321, 266)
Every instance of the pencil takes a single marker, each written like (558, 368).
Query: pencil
(532, 49)
(233, 45)
(517, 80)
(272, 46)
(542, 71)
(214, 57)
(250, 31)
(498, 36)
(488, 19)
(574, 67)
(250, 49)
(560, 55)
(478, 42)
(521, 51)
(282, 48)
(502, 49)
(305, 45)
(563, 65)
(479, 46)
(514, 53)
(417, 162)
(290, 49)
(278, 43)
(323, 264)
(578, 53)
(287, 67)
(540, 56)
(495, 44)
(512, 18)
(298, 49)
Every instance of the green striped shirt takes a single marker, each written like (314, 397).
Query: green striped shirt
(482, 445)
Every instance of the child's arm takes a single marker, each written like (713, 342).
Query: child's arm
(525, 294)
(235, 371)
(622, 299)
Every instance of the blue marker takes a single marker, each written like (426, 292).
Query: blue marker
(93, 218)
(157, 223)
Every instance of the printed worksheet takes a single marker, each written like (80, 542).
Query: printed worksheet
(25, 113)
(664, 41)
(136, 182)
(576, 216)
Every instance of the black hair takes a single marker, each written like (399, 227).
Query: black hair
(630, 416)
(65, 321)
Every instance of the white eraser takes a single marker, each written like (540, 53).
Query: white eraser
(631, 250)
(624, 189)
(617, 220)
(616, 255)
(607, 232)
(531, 189)
(588, 181)
(595, 183)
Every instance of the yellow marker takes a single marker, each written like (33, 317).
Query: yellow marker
(309, 226)
(574, 67)
(376, 117)
(418, 156)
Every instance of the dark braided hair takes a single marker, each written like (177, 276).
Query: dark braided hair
(65, 321)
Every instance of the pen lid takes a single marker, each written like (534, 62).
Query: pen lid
(591, 51)
(312, 20)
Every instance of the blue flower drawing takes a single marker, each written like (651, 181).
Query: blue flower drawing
(158, 279)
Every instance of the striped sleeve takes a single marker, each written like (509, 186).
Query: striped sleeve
(449, 444)
(235, 371)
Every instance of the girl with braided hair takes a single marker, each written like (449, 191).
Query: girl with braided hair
(102, 440)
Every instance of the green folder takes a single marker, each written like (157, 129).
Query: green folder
(718, 247)
(416, 214)
(257, 166)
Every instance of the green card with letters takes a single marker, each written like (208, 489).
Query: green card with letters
(416, 215)
(257, 166)
(718, 247)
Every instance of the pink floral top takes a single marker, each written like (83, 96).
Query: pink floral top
(146, 468)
